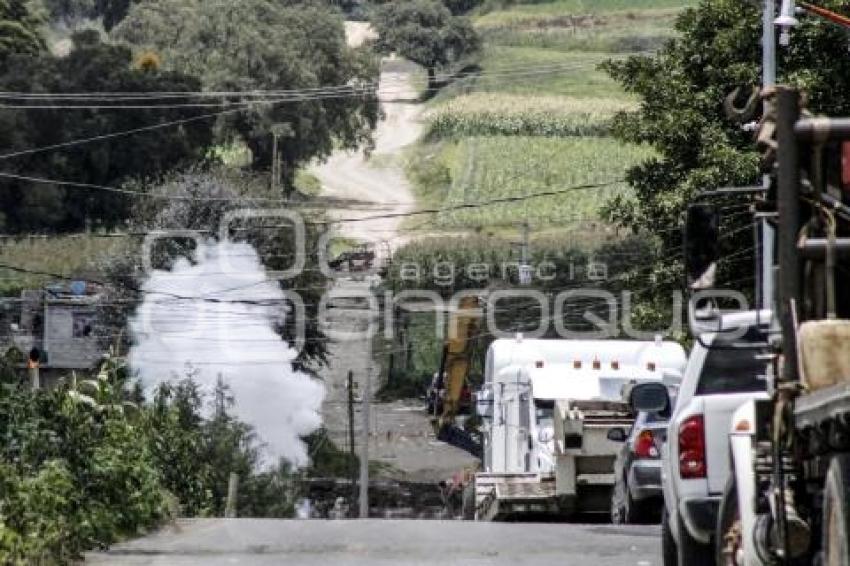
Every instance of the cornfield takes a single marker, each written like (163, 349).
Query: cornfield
(480, 169)
(489, 114)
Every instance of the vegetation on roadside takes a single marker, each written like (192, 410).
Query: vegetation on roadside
(94, 461)
(90, 462)
(681, 92)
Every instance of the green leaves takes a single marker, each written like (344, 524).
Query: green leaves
(19, 31)
(81, 466)
(424, 31)
(91, 66)
(266, 45)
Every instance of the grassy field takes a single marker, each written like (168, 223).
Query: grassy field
(538, 71)
(560, 10)
(481, 168)
(75, 255)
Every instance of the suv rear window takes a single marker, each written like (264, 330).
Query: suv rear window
(729, 368)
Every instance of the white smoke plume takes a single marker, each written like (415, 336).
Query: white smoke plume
(216, 316)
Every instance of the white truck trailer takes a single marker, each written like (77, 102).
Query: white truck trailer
(547, 407)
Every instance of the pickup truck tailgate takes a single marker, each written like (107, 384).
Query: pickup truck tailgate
(717, 411)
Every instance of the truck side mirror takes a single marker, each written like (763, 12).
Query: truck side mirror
(649, 398)
(702, 233)
(616, 434)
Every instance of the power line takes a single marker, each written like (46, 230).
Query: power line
(308, 95)
(241, 106)
(274, 93)
(155, 196)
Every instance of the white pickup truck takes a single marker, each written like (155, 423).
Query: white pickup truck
(724, 370)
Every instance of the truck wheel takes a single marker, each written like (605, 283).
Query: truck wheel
(618, 507)
(669, 553)
(836, 513)
(728, 547)
(691, 551)
(617, 513)
(634, 513)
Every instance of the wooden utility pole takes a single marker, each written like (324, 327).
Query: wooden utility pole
(33, 369)
(275, 175)
(232, 494)
(352, 452)
(524, 275)
(278, 131)
(364, 448)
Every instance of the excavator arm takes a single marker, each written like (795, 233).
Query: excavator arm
(456, 359)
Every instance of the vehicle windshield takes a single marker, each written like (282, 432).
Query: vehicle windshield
(544, 412)
(735, 367)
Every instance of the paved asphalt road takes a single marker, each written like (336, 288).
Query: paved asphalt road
(380, 542)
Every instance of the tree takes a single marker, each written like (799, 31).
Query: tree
(19, 31)
(682, 89)
(424, 31)
(99, 67)
(265, 45)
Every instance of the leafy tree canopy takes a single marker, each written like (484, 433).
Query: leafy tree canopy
(265, 45)
(19, 31)
(682, 89)
(91, 66)
(424, 31)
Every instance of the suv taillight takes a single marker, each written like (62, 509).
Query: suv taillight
(644, 446)
(692, 448)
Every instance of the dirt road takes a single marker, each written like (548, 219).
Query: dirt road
(379, 179)
(400, 433)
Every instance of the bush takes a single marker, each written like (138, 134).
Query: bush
(83, 465)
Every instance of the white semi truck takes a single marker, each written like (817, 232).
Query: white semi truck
(547, 407)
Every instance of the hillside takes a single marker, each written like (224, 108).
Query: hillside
(535, 118)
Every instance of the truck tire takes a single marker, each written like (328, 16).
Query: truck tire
(691, 551)
(836, 513)
(669, 553)
(728, 527)
(634, 512)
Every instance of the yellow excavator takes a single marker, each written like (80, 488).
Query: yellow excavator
(454, 372)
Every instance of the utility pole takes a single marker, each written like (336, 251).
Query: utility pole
(351, 451)
(275, 176)
(278, 131)
(231, 503)
(525, 260)
(364, 447)
(768, 80)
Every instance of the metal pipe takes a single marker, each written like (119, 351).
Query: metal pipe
(835, 205)
(768, 232)
(815, 248)
(788, 205)
(821, 130)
